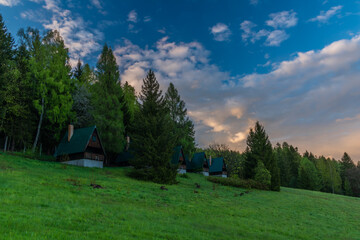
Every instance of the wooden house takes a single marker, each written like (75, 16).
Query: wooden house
(81, 147)
(214, 166)
(178, 159)
(196, 163)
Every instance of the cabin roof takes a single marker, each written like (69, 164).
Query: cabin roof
(216, 164)
(78, 141)
(177, 154)
(196, 162)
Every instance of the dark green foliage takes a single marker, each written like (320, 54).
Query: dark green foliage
(234, 160)
(82, 107)
(106, 100)
(262, 175)
(238, 182)
(259, 149)
(152, 136)
(329, 175)
(129, 106)
(353, 177)
(308, 175)
(183, 126)
(288, 159)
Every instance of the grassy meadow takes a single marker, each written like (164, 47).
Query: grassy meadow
(48, 200)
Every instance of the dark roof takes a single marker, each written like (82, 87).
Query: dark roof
(196, 162)
(216, 164)
(78, 141)
(177, 154)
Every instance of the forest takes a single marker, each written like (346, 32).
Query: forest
(41, 94)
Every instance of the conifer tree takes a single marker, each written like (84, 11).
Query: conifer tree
(345, 164)
(259, 149)
(308, 175)
(184, 128)
(106, 95)
(152, 135)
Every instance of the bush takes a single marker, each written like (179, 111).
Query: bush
(262, 175)
(238, 182)
(164, 175)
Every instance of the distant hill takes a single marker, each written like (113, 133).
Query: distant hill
(48, 200)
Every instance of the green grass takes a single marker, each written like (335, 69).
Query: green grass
(48, 200)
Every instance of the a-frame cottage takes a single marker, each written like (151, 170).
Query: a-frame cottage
(196, 163)
(81, 147)
(178, 158)
(214, 166)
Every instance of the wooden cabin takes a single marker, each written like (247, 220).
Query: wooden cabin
(178, 159)
(81, 147)
(196, 163)
(214, 166)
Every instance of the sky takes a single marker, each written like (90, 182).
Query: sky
(292, 65)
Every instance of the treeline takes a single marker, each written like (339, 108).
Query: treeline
(284, 166)
(41, 94)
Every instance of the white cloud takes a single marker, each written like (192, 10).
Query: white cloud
(323, 17)
(284, 19)
(132, 16)
(221, 32)
(276, 37)
(80, 41)
(9, 3)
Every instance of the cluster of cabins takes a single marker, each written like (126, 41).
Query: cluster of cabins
(82, 147)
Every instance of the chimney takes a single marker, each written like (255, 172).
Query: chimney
(70, 131)
(210, 160)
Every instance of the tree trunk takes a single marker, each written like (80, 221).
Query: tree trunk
(6, 141)
(39, 125)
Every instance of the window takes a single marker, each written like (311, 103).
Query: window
(94, 138)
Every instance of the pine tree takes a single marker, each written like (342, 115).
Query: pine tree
(106, 96)
(6, 66)
(152, 137)
(184, 128)
(345, 164)
(259, 149)
(78, 71)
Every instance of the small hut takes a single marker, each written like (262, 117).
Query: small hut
(178, 159)
(214, 166)
(81, 147)
(196, 163)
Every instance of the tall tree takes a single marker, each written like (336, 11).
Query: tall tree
(345, 164)
(184, 128)
(106, 96)
(6, 66)
(259, 149)
(153, 137)
(308, 175)
(129, 106)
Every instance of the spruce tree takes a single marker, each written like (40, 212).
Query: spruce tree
(345, 164)
(259, 149)
(106, 100)
(153, 139)
(184, 128)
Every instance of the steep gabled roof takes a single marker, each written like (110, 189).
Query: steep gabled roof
(196, 162)
(216, 164)
(178, 152)
(78, 141)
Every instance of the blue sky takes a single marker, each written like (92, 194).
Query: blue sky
(293, 65)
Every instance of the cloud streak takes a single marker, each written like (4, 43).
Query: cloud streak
(324, 17)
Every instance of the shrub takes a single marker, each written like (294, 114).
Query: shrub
(262, 175)
(238, 182)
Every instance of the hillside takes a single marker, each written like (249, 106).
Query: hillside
(47, 200)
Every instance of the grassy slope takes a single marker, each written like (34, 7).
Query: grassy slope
(38, 202)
